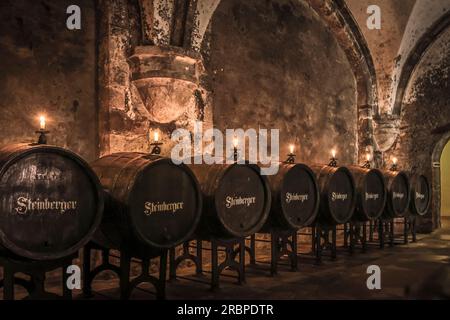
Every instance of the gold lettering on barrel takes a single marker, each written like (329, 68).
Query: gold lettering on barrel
(160, 207)
(239, 201)
(372, 196)
(420, 196)
(24, 205)
(296, 197)
(339, 196)
(397, 195)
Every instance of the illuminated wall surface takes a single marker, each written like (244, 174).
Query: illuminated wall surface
(445, 181)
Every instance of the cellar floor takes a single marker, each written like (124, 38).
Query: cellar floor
(416, 270)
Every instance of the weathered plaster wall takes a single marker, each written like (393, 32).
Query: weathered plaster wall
(275, 64)
(150, 78)
(384, 44)
(424, 14)
(425, 118)
(46, 68)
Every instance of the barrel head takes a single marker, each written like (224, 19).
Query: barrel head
(50, 203)
(398, 194)
(242, 200)
(299, 196)
(164, 204)
(420, 195)
(340, 192)
(373, 197)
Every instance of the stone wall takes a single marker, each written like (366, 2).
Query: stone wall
(425, 119)
(48, 69)
(275, 64)
(151, 80)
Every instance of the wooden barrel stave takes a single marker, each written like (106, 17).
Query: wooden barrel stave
(151, 204)
(63, 201)
(398, 194)
(295, 198)
(371, 193)
(337, 195)
(220, 182)
(420, 195)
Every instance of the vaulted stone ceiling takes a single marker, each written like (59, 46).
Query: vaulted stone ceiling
(403, 23)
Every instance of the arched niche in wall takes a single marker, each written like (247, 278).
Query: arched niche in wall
(276, 64)
(425, 120)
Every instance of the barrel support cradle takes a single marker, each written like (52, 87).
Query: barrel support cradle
(186, 254)
(408, 225)
(234, 250)
(36, 270)
(355, 234)
(384, 231)
(324, 239)
(282, 243)
(123, 271)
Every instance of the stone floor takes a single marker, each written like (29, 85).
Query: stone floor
(416, 270)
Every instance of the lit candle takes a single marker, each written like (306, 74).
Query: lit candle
(291, 148)
(235, 142)
(156, 136)
(42, 122)
(368, 156)
(333, 153)
(394, 160)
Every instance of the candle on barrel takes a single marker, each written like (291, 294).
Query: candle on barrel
(394, 164)
(42, 130)
(333, 160)
(367, 163)
(291, 155)
(42, 122)
(156, 145)
(235, 148)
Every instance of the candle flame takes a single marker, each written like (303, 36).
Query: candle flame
(368, 156)
(333, 153)
(42, 122)
(235, 142)
(291, 148)
(394, 160)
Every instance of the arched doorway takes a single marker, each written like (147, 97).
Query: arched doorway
(441, 181)
(445, 185)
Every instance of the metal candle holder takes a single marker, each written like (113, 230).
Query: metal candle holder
(290, 158)
(394, 167)
(235, 154)
(156, 148)
(366, 165)
(42, 136)
(333, 162)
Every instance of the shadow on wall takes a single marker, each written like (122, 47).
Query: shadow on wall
(48, 69)
(276, 65)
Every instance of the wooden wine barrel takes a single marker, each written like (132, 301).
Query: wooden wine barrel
(337, 194)
(51, 201)
(371, 193)
(236, 200)
(295, 197)
(152, 204)
(420, 195)
(398, 188)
